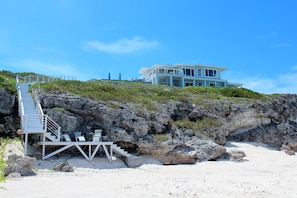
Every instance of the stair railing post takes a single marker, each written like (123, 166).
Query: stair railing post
(26, 133)
(45, 123)
(59, 133)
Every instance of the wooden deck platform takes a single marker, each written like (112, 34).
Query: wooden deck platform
(92, 148)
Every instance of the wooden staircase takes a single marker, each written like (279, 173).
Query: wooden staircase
(120, 151)
(31, 120)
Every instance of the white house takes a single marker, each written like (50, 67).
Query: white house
(182, 75)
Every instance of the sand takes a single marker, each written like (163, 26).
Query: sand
(266, 172)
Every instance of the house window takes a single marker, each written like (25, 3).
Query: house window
(199, 72)
(189, 72)
(170, 71)
(210, 72)
(189, 84)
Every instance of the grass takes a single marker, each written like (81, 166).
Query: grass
(59, 109)
(143, 93)
(7, 81)
(161, 137)
(199, 126)
(3, 143)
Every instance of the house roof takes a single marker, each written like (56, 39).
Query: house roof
(146, 70)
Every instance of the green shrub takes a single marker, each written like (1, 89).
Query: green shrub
(8, 82)
(161, 137)
(59, 109)
(198, 126)
(240, 92)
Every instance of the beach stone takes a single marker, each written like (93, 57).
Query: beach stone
(134, 161)
(235, 155)
(14, 175)
(21, 164)
(64, 166)
(292, 146)
(287, 150)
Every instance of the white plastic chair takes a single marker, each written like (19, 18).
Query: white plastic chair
(66, 137)
(79, 137)
(98, 135)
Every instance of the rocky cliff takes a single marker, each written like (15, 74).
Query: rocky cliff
(9, 121)
(177, 128)
(175, 131)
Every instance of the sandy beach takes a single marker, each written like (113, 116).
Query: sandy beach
(266, 172)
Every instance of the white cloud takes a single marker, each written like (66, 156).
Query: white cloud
(281, 84)
(122, 46)
(260, 84)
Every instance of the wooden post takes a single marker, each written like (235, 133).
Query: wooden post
(43, 146)
(26, 142)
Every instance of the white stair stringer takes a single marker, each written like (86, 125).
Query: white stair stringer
(51, 137)
(120, 151)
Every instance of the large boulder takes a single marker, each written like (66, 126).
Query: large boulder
(190, 152)
(181, 154)
(206, 149)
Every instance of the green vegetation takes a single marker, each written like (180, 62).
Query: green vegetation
(126, 92)
(133, 92)
(7, 81)
(199, 126)
(143, 93)
(59, 109)
(226, 91)
(3, 143)
(240, 92)
(161, 137)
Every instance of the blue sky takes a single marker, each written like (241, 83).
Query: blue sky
(256, 40)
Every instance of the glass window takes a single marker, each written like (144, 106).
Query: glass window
(170, 71)
(210, 72)
(189, 72)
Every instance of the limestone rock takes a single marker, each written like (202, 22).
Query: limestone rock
(181, 154)
(287, 150)
(7, 102)
(193, 151)
(272, 121)
(235, 155)
(206, 149)
(21, 164)
(14, 175)
(64, 166)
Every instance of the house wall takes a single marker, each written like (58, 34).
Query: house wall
(183, 75)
